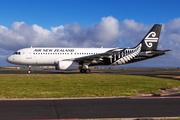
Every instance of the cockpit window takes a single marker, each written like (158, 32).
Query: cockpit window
(16, 53)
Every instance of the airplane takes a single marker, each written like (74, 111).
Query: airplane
(82, 58)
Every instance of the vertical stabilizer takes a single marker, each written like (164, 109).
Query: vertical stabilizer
(150, 41)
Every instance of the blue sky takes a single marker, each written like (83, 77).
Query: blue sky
(47, 13)
(88, 16)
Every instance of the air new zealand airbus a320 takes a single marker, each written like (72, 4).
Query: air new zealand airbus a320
(81, 58)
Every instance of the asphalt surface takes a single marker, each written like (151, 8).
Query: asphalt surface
(133, 107)
(90, 108)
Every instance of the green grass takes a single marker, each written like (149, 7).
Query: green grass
(79, 85)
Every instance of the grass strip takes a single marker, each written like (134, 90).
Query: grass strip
(79, 85)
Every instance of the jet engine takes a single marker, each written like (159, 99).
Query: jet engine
(67, 65)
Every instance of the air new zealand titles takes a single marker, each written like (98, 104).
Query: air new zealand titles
(54, 50)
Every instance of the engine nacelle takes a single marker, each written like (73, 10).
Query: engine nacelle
(67, 65)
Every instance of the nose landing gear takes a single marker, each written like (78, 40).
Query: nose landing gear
(29, 70)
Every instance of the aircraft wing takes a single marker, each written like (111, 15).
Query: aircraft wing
(96, 56)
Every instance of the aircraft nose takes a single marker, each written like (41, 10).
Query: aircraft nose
(9, 59)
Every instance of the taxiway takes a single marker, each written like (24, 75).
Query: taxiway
(170, 73)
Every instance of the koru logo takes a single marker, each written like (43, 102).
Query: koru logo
(148, 41)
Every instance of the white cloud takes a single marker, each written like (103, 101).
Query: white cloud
(104, 33)
(17, 25)
(40, 30)
(133, 25)
(56, 29)
(108, 33)
(3, 28)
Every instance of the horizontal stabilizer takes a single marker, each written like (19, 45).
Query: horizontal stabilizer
(159, 52)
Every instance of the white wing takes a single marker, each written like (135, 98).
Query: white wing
(90, 58)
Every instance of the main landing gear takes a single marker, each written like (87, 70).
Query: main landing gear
(85, 71)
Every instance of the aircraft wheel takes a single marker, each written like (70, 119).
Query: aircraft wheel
(88, 71)
(28, 71)
(82, 71)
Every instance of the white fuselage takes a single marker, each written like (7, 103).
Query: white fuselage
(50, 56)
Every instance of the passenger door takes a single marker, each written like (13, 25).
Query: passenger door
(29, 53)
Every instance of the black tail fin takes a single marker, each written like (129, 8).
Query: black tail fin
(150, 41)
